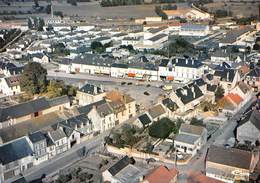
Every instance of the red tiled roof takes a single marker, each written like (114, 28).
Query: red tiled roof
(161, 174)
(235, 98)
(200, 178)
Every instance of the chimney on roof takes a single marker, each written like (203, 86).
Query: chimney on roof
(101, 88)
(186, 61)
(184, 92)
(227, 75)
(193, 92)
(95, 89)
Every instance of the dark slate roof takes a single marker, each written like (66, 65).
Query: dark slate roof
(37, 136)
(144, 119)
(230, 157)
(209, 77)
(20, 180)
(118, 65)
(211, 88)
(91, 89)
(226, 75)
(190, 96)
(73, 122)
(254, 73)
(30, 107)
(164, 63)
(222, 66)
(23, 109)
(92, 59)
(16, 70)
(252, 117)
(49, 140)
(232, 35)
(181, 62)
(87, 108)
(170, 104)
(15, 150)
(59, 100)
(57, 134)
(157, 37)
(66, 61)
(199, 82)
(118, 166)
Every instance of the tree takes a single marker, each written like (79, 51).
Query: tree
(30, 24)
(219, 93)
(55, 89)
(221, 13)
(48, 9)
(40, 24)
(36, 3)
(33, 79)
(162, 128)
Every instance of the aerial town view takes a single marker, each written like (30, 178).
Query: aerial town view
(129, 91)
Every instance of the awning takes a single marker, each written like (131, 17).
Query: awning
(170, 78)
(131, 74)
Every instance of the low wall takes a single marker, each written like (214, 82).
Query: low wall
(142, 155)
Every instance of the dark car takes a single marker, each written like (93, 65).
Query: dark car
(146, 93)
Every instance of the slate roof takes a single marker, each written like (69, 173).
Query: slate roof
(87, 108)
(252, 117)
(156, 111)
(20, 180)
(254, 73)
(37, 136)
(58, 100)
(226, 74)
(172, 106)
(196, 27)
(15, 150)
(91, 59)
(185, 138)
(232, 35)
(30, 107)
(121, 164)
(57, 134)
(145, 119)
(91, 89)
(157, 37)
(229, 157)
(23, 109)
(74, 122)
(211, 88)
(191, 129)
(243, 87)
(104, 109)
(118, 65)
(181, 62)
(199, 82)
(193, 92)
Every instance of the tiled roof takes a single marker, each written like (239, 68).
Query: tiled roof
(235, 98)
(37, 136)
(201, 178)
(161, 174)
(156, 111)
(229, 157)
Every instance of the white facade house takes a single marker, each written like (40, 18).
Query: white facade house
(10, 85)
(194, 30)
(190, 139)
